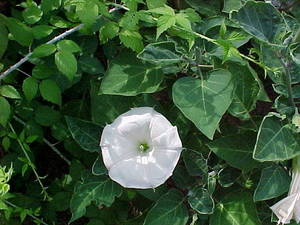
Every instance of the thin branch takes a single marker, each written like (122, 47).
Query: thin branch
(47, 142)
(52, 41)
(32, 216)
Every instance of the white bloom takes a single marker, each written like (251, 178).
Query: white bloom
(140, 148)
(289, 207)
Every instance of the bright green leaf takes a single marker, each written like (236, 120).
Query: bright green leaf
(41, 31)
(108, 31)
(21, 33)
(88, 12)
(9, 92)
(66, 63)
(204, 102)
(44, 50)
(68, 45)
(50, 91)
(132, 40)
(32, 14)
(164, 23)
(152, 4)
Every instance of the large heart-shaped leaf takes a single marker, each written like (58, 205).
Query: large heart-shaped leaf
(275, 141)
(204, 101)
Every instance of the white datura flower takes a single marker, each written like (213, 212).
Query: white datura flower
(140, 148)
(289, 207)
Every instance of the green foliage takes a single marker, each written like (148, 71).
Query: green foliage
(224, 72)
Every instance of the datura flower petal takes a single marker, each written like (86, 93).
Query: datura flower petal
(140, 148)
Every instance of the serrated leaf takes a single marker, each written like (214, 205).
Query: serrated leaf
(30, 88)
(164, 23)
(152, 4)
(66, 63)
(183, 21)
(21, 33)
(4, 111)
(161, 53)
(229, 148)
(204, 102)
(100, 189)
(108, 31)
(130, 20)
(85, 133)
(44, 50)
(50, 91)
(275, 141)
(274, 181)
(132, 40)
(261, 20)
(68, 45)
(235, 209)
(3, 40)
(88, 12)
(9, 92)
(169, 209)
(201, 201)
(32, 14)
(128, 76)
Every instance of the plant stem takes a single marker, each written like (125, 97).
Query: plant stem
(17, 207)
(47, 142)
(46, 196)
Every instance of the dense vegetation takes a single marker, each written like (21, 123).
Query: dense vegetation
(225, 72)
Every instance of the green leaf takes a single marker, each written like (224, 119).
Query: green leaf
(43, 71)
(245, 93)
(41, 31)
(201, 201)
(66, 63)
(204, 102)
(195, 163)
(99, 167)
(132, 40)
(85, 133)
(9, 92)
(275, 141)
(68, 45)
(4, 111)
(46, 116)
(261, 20)
(128, 76)
(235, 209)
(161, 53)
(274, 181)
(100, 189)
(230, 149)
(108, 31)
(3, 40)
(90, 65)
(130, 20)
(155, 4)
(232, 5)
(50, 91)
(183, 21)
(164, 23)
(44, 50)
(20, 32)
(88, 12)
(169, 209)
(50, 5)
(32, 14)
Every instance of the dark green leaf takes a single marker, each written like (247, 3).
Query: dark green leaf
(43, 71)
(274, 181)
(231, 150)
(85, 133)
(50, 91)
(128, 76)
(21, 33)
(4, 111)
(161, 53)
(100, 189)
(3, 40)
(41, 31)
(275, 141)
(169, 209)
(46, 116)
(201, 201)
(195, 163)
(204, 102)
(99, 167)
(90, 65)
(235, 209)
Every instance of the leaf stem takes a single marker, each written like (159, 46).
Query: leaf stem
(17, 207)
(47, 143)
(46, 196)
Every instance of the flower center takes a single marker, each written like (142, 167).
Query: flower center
(143, 147)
